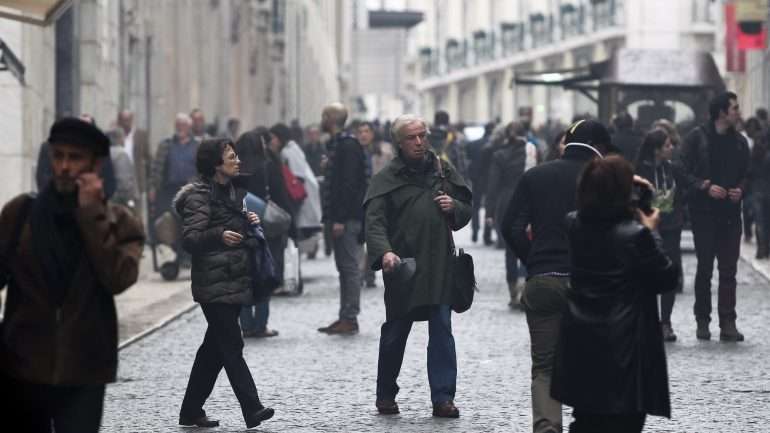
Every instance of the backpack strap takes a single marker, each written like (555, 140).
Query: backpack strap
(10, 250)
(18, 225)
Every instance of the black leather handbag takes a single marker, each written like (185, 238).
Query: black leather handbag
(463, 276)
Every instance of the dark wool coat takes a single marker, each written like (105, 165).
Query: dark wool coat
(402, 217)
(220, 274)
(73, 341)
(506, 169)
(610, 357)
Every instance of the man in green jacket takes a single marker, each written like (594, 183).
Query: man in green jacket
(411, 210)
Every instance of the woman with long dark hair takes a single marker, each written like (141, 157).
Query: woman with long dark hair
(654, 164)
(217, 232)
(556, 146)
(610, 363)
(262, 177)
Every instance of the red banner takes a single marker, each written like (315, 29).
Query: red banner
(736, 58)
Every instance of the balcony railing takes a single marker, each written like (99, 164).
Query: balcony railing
(573, 19)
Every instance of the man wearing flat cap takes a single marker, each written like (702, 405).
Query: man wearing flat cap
(64, 255)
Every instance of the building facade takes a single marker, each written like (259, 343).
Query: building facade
(467, 52)
(259, 61)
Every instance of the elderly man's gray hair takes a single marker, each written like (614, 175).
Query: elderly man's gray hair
(183, 117)
(403, 121)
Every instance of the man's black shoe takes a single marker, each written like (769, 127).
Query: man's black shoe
(387, 407)
(201, 421)
(257, 417)
(446, 409)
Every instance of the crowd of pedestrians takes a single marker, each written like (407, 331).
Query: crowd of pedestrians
(589, 219)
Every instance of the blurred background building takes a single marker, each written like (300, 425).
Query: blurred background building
(263, 61)
(464, 54)
(260, 61)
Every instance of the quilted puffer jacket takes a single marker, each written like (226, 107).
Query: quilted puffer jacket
(220, 274)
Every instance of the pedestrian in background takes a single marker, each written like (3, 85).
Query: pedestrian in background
(261, 176)
(137, 146)
(534, 227)
(126, 191)
(760, 179)
(345, 186)
(308, 212)
(173, 165)
(216, 232)
(715, 158)
(556, 146)
(625, 137)
(477, 177)
(654, 164)
(448, 142)
(753, 133)
(379, 153)
(314, 149)
(410, 214)
(64, 255)
(610, 364)
(507, 166)
(496, 142)
(198, 125)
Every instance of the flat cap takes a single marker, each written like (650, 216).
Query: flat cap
(71, 130)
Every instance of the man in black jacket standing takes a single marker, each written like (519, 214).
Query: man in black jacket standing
(715, 158)
(344, 189)
(542, 199)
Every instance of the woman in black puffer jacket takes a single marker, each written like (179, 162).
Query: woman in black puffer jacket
(216, 232)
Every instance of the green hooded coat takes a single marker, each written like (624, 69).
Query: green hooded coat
(402, 217)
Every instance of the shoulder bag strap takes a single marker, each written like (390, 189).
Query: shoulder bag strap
(267, 181)
(442, 176)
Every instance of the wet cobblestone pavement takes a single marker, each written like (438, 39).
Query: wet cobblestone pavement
(326, 383)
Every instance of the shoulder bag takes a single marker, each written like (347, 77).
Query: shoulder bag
(463, 276)
(275, 220)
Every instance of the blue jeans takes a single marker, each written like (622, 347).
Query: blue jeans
(442, 359)
(254, 317)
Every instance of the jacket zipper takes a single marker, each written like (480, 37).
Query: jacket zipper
(56, 367)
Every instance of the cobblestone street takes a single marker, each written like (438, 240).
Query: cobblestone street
(320, 383)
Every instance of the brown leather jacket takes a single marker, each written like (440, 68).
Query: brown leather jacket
(76, 342)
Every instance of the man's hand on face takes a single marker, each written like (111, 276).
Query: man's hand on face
(735, 194)
(90, 189)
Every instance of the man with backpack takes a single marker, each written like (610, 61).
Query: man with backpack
(65, 254)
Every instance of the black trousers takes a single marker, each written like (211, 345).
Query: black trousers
(671, 244)
(222, 347)
(720, 238)
(39, 408)
(606, 423)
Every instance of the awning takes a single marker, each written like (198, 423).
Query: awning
(634, 68)
(394, 19)
(39, 12)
